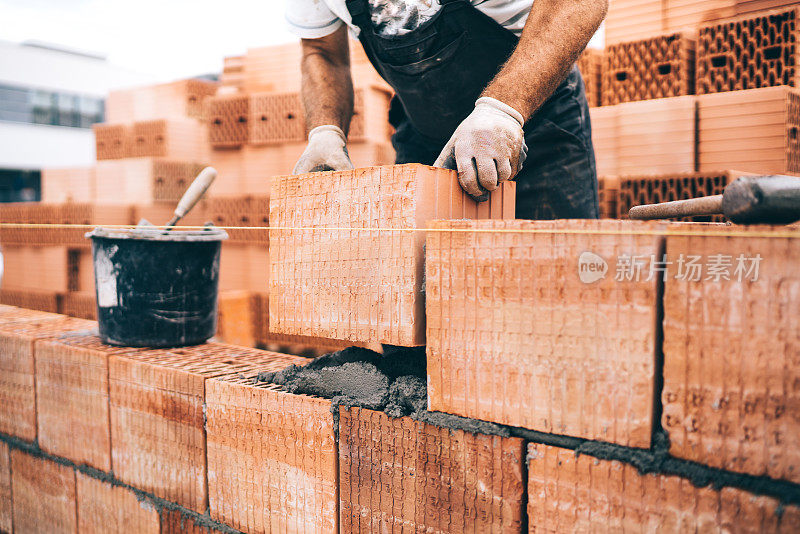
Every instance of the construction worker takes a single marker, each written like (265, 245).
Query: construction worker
(487, 87)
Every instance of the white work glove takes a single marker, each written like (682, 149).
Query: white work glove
(486, 148)
(326, 151)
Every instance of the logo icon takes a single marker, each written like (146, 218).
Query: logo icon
(591, 268)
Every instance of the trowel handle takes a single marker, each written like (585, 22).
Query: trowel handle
(195, 191)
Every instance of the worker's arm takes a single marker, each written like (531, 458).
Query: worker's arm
(328, 101)
(489, 146)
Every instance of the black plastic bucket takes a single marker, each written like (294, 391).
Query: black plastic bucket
(156, 288)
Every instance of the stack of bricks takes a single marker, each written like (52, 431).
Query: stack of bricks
(658, 67)
(591, 66)
(371, 276)
(739, 58)
(257, 129)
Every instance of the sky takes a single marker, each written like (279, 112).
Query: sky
(165, 39)
(168, 39)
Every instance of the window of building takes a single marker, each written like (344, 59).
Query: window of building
(35, 106)
(20, 185)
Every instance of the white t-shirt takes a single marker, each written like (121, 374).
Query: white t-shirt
(311, 19)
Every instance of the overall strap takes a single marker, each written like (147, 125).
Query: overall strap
(359, 12)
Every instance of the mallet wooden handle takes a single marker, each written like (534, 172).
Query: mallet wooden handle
(678, 208)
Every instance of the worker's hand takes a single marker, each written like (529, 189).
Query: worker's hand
(326, 151)
(486, 148)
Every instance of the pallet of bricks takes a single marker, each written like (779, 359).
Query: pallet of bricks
(147, 154)
(694, 94)
(579, 376)
(256, 124)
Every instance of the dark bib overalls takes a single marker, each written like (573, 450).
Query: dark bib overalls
(438, 71)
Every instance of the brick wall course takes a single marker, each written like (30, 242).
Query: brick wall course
(72, 398)
(5, 489)
(272, 457)
(17, 380)
(360, 285)
(730, 352)
(405, 475)
(577, 359)
(106, 508)
(43, 495)
(157, 400)
(571, 493)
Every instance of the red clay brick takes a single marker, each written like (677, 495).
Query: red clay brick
(749, 52)
(176, 522)
(571, 493)
(647, 137)
(755, 131)
(157, 397)
(72, 398)
(507, 345)
(590, 64)
(106, 508)
(5, 488)
(17, 389)
(174, 100)
(272, 457)
(731, 351)
(43, 495)
(401, 474)
(657, 67)
(361, 284)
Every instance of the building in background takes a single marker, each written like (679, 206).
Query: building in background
(49, 98)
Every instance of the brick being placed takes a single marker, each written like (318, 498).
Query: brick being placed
(174, 100)
(72, 398)
(749, 52)
(178, 139)
(112, 141)
(144, 180)
(730, 349)
(590, 63)
(647, 137)
(755, 131)
(157, 398)
(398, 473)
(657, 67)
(102, 507)
(241, 211)
(361, 279)
(576, 360)
(656, 188)
(68, 184)
(5, 489)
(259, 313)
(17, 367)
(579, 493)
(43, 495)
(227, 117)
(289, 479)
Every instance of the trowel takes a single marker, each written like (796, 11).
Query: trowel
(189, 199)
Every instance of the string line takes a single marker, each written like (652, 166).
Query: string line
(727, 232)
